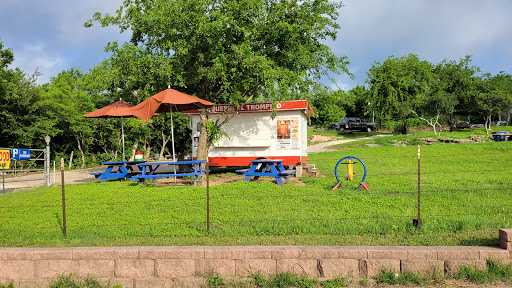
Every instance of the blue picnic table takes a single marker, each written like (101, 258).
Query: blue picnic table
(267, 168)
(117, 170)
(149, 170)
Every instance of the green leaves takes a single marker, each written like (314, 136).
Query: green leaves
(226, 51)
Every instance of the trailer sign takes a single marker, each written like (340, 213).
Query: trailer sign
(20, 154)
(5, 159)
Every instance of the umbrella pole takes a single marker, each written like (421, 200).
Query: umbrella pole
(173, 157)
(122, 136)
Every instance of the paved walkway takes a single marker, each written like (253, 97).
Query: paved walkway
(37, 180)
(322, 147)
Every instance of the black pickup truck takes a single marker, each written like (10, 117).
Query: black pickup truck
(353, 124)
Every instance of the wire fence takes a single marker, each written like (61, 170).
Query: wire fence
(217, 213)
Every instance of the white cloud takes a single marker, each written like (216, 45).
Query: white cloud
(434, 30)
(50, 36)
(35, 56)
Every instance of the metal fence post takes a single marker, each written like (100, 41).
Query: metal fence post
(417, 222)
(63, 197)
(47, 160)
(207, 196)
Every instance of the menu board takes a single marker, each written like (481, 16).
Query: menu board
(287, 133)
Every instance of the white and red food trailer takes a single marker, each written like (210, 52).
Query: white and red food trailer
(253, 133)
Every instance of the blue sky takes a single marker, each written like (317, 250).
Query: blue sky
(49, 35)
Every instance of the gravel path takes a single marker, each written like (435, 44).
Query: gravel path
(323, 147)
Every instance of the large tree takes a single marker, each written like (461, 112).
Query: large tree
(454, 83)
(65, 100)
(224, 51)
(395, 85)
(23, 124)
(493, 96)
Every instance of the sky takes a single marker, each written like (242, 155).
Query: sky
(49, 35)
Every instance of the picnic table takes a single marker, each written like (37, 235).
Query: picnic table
(117, 170)
(501, 136)
(267, 168)
(149, 170)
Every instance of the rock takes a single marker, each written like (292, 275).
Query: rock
(462, 141)
(477, 138)
(445, 139)
(373, 145)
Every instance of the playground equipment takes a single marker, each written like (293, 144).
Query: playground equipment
(351, 176)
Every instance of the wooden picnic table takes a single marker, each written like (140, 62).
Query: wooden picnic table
(118, 170)
(149, 170)
(267, 168)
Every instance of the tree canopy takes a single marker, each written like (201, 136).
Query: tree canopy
(223, 51)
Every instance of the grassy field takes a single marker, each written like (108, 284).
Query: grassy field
(466, 195)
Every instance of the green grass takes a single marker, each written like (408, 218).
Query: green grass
(405, 278)
(68, 282)
(466, 196)
(495, 272)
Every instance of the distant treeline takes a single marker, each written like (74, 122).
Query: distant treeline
(406, 87)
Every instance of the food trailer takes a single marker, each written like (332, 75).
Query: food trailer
(253, 133)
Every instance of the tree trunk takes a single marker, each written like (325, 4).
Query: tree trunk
(78, 141)
(452, 125)
(164, 142)
(487, 124)
(71, 159)
(148, 152)
(202, 149)
(135, 146)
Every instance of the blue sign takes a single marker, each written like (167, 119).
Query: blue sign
(20, 154)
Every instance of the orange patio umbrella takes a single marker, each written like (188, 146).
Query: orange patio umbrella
(169, 100)
(119, 109)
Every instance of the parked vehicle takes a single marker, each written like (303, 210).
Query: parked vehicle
(338, 125)
(353, 124)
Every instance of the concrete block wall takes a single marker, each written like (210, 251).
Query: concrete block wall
(185, 266)
(506, 239)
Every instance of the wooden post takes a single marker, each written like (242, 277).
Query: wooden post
(63, 197)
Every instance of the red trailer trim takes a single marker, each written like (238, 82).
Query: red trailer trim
(246, 161)
(259, 107)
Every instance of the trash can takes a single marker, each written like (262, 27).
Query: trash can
(138, 156)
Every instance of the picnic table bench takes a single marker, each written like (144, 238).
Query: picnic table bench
(149, 170)
(117, 170)
(267, 168)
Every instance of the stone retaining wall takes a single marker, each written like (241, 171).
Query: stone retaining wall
(184, 266)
